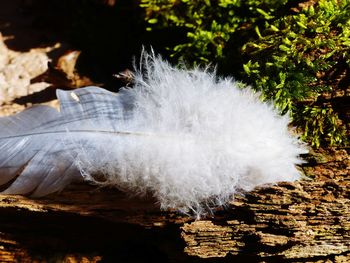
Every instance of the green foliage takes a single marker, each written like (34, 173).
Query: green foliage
(208, 24)
(285, 49)
(321, 125)
(286, 63)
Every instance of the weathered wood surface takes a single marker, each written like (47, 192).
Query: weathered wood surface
(290, 221)
(303, 221)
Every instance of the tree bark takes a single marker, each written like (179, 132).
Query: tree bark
(308, 220)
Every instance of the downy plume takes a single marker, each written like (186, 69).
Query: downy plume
(186, 136)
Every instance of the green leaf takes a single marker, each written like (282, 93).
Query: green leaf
(246, 69)
(284, 48)
(301, 25)
(153, 21)
(266, 15)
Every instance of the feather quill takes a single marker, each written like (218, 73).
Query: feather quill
(190, 138)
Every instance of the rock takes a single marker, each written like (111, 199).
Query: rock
(17, 69)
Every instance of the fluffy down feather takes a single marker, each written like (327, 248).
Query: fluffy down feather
(200, 139)
(188, 137)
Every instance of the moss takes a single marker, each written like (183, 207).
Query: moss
(296, 54)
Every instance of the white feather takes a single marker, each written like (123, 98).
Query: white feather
(188, 137)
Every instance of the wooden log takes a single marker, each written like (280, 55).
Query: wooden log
(305, 221)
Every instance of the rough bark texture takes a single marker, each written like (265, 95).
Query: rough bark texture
(306, 220)
(291, 221)
(303, 221)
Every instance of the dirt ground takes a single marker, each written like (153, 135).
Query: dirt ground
(24, 55)
(35, 59)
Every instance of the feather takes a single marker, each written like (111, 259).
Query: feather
(186, 136)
